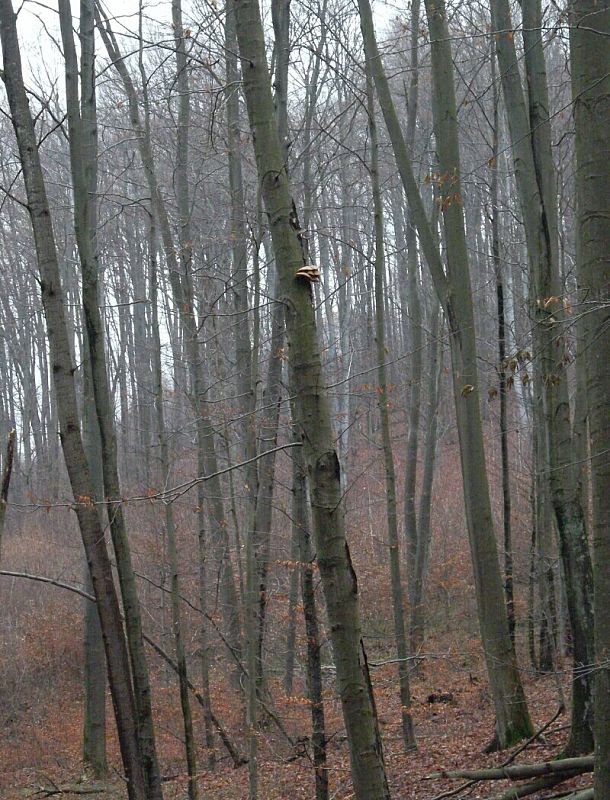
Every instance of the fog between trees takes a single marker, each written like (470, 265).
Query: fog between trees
(279, 287)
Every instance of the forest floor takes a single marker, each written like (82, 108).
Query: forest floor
(41, 667)
(42, 758)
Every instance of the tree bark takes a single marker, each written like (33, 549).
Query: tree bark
(82, 128)
(7, 469)
(94, 714)
(502, 366)
(530, 132)
(313, 414)
(417, 622)
(454, 292)
(589, 31)
(414, 306)
(63, 377)
(400, 635)
(312, 629)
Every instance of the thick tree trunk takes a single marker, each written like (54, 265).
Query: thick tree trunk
(313, 415)
(530, 132)
(589, 32)
(502, 366)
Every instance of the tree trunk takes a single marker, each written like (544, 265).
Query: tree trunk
(424, 530)
(502, 366)
(312, 629)
(415, 319)
(94, 714)
(82, 127)
(589, 31)
(400, 636)
(63, 377)
(7, 469)
(313, 414)
(530, 133)
(453, 289)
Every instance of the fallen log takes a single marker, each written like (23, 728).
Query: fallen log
(533, 787)
(579, 794)
(517, 772)
(509, 760)
(74, 789)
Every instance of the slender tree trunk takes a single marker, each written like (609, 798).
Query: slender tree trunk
(170, 542)
(424, 530)
(204, 660)
(515, 724)
(63, 378)
(182, 194)
(255, 589)
(256, 571)
(415, 320)
(94, 714)
(453, 289)
(315, 687)
(7, 469)
(400, 636)
(82, 126)
(293, 594)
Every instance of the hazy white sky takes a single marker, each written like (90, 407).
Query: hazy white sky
(38, 27)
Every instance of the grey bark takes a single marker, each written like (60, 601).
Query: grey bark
(94, 713)
(315, 686)
(313, 415)
(415, 320)
(502, 366)
(400, 634)
(530, 132)
(590, 28)
(181, 183)
(424, 530)
(63, 379)
(82, 129)
(453, 289)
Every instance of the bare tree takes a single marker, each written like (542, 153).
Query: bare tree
(63, 372)
(313, 417)
(454, 291)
